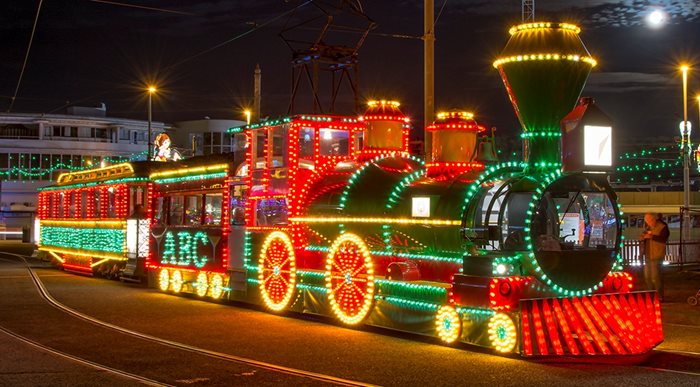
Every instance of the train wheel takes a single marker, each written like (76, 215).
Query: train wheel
(201, 284)
(502, 332)
(448, 324)
(216, 286)
(350, 279)
(176, 281)
(277, 271)
(164, 280)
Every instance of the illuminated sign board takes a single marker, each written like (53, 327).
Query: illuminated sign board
(183, 248)
(597, 146)
(420, 207)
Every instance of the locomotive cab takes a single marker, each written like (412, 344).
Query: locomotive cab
(565, 231)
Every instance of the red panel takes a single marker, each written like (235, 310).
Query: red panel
(602, 325)
(657, 317)
(616, 324)
(527, 337)
(566, 332)
(635, 320)
(551, 328)
(573, 320)
(539, 332)
(597, 337)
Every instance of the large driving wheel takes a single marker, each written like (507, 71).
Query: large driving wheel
(350, 279)
(277, 271)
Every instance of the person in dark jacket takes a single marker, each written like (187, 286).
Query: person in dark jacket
(654, 240)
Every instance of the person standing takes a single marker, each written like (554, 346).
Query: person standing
(654, 238)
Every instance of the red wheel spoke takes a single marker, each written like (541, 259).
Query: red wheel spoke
(356, 272)
(284, 280)
(337, 266)
(340, 285)
(362, 292)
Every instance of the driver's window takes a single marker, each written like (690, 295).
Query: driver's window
(334, 142)
(513, 220)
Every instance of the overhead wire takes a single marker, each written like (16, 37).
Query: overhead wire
(26, 56)
(440, 12)
(117, 3)
(255, 28)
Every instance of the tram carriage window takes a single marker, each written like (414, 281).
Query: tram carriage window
(271, 212)
(193, 210)
(306, 148)
(50, 203)
(111, 205)
(83, 204)
(136, 198)
(334, 142)
(159, 211)
(61, 200)
(96, 198)
(575, 220)
(359, 140)
(485, 223)
(212, 209)
(176, 210)
(259, 140)
(69, 202)
(513, 220)
(279, 147)
(238, 196)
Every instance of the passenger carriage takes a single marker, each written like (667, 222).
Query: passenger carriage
(84, 220)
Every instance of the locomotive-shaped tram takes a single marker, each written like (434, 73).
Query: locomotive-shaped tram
(331, 215)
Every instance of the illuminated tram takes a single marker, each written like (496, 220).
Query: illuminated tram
(331, 215)
(82, 220)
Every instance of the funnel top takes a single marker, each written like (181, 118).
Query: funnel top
(544, 25)
(456, 120)
(545, 41)
(384, 110)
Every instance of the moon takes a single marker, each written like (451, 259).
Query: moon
(656, 18)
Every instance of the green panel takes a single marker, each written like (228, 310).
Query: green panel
(91, 239)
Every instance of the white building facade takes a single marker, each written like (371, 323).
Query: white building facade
(35, 148)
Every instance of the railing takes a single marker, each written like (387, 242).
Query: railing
(631, 253)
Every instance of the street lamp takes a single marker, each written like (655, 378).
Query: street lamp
(151, 91)
(685, 144)
(247, 116)
(697, 97)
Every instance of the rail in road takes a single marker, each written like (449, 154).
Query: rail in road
(46, 295)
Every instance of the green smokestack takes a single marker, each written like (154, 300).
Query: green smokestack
(544, 67)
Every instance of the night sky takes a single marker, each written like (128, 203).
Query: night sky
(86, 52)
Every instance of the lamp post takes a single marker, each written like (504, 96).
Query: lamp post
(685, 144)
(151, 91)
(247, 116)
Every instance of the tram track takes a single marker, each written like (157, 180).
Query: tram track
(85, 362)
(46, 295)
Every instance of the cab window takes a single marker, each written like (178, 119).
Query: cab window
(334, 142)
